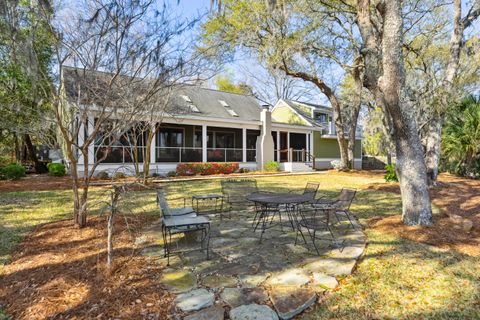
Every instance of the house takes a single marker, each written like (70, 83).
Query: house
(216, 126)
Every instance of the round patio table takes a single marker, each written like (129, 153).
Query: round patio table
(267, 206)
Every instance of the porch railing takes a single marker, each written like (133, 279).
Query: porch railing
(194, 154)
(119, 154)
(294, 155)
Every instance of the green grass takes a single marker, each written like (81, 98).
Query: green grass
(398, 279)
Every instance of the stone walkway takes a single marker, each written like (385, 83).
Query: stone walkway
(247, 280)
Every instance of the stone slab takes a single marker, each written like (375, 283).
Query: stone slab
(235, 297)
(194, 300)
(252, 280)
(331, 266)
(212, 313)
(290, 277)
(178, 281)
(218, 281)
(323, 280)
(253, 312)
(290, 301)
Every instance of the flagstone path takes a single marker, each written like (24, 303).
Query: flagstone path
(245, 279)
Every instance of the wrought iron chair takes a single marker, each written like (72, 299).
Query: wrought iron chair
(235, 191)
(342, 204)
(181, 220)
(316, 220)
(311, 188)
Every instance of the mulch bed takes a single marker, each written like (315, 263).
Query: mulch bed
(36, 182)
(59, 272)
(453, 196)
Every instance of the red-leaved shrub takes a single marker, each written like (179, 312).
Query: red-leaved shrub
(206, 168)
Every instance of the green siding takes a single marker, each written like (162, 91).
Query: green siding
(286, 115)
(328, 148)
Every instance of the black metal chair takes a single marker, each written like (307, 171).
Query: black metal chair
(315, 220)
(235, 191)
(311, 189)
(182, 220)
(342, 204)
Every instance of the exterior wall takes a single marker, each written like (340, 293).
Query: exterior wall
(285, 114)
(327, 150)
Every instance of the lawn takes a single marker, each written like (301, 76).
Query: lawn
(397, 278)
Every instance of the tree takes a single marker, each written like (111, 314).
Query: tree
(127, 57)
(25, 59)
(461, 137)
(381, 27)
(225, 83)
(303, 39)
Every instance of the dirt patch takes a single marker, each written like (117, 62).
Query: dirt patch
(36, 182)
(58, 272)
(453, 196)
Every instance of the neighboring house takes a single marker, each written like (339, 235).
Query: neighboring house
(324, 145)
(216, 126)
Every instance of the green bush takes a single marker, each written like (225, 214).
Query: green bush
(56, 169)
(244, 170)
(13, 171)
(171, 174)
(272, 166)
(391, 175)
(103, 175)
(5, 161)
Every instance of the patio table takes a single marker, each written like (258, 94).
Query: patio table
(270, 203)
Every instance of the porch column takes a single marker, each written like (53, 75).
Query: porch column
(288, 147)
(311, 142)
(278, 146)
(307, 140)
(91, 147)
(204, 143)
(153, 148)
(244, 145)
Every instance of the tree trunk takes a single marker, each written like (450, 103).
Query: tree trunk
(432, 148)
(357, 103)
(337, 118)
(31, 154)
(80, 197)
(410, 164)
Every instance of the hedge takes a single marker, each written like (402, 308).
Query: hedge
(206, 168)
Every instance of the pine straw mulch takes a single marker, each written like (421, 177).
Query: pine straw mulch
(59, 272)
(452, 195)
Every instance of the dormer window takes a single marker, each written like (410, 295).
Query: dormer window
(186, 98)
(224, 103)
(194, 108)
(321, 117)
(232, 112)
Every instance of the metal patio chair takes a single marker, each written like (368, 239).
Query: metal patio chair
(316, 220)
(235, 192)
(342, 204)
(175, 221)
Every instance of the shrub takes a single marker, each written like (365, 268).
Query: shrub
(336, 164)
(391, 175)
(119, 175)
(103, 175)
(171, 174)
(206, 168)
(13, 171)
(243, 170)
(272, 166)
(56, 169)
(5, 161)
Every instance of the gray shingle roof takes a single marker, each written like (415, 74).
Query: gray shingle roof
(92, 88)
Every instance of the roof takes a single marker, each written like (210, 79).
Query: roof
(90, 87)
(300, 106)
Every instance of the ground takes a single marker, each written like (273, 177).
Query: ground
(406, 272)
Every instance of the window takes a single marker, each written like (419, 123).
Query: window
(224, 140)
(170, 137)
(321, 117)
